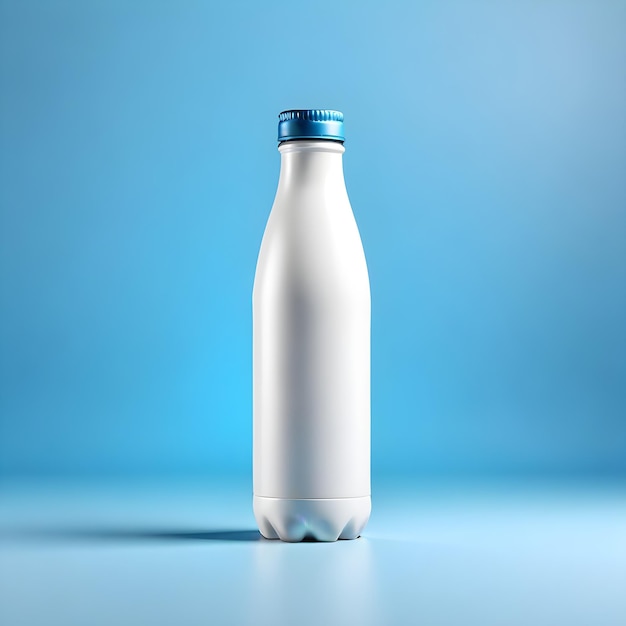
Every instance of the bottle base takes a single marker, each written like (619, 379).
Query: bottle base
(317, 519)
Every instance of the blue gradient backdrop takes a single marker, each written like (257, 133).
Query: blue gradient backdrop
(486, 163)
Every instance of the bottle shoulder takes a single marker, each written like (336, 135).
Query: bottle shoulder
(313, 248)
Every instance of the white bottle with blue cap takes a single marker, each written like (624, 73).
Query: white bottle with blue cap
(311, 345)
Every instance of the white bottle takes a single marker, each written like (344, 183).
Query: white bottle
(311, 310)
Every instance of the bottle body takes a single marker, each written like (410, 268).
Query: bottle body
(311, 355)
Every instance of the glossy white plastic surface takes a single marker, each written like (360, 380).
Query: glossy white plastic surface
(311, 311)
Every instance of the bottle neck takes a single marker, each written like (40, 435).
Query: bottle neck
(311, 161)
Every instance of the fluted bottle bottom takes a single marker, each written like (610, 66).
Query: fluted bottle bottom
(318, 519)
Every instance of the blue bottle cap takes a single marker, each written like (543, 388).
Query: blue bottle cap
(310, 124)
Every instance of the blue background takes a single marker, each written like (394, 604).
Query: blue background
(486, 162)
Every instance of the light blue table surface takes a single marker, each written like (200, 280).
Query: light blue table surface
(188, 553)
